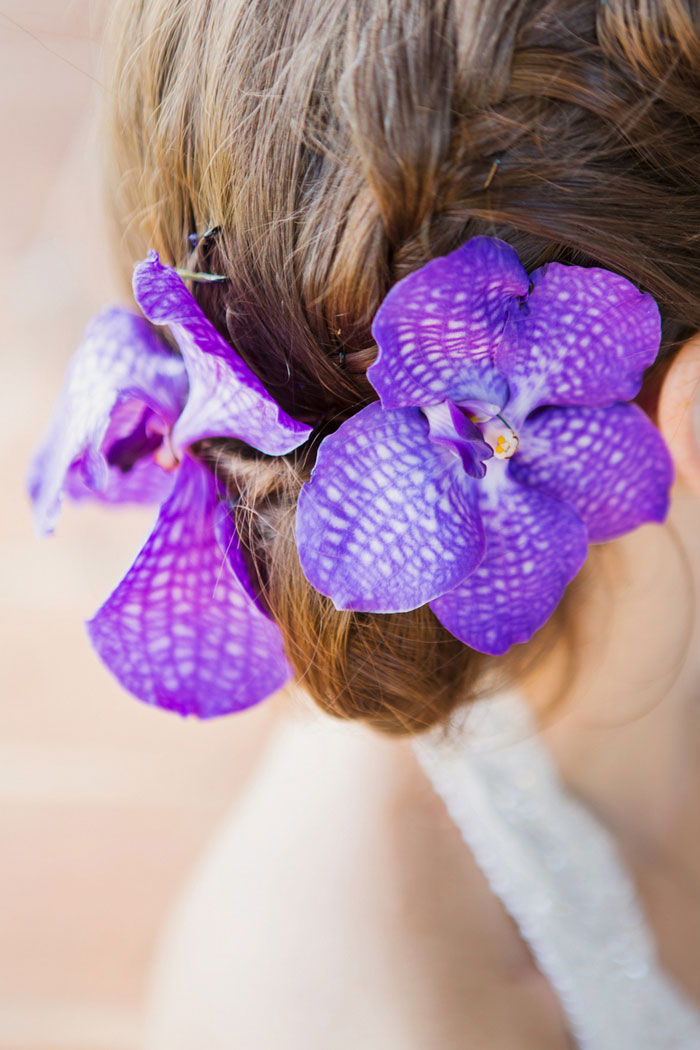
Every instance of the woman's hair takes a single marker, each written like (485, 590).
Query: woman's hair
(337, 146)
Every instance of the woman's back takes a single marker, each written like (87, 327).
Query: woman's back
(338, 908)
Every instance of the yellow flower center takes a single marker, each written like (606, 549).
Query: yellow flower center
(501, 437)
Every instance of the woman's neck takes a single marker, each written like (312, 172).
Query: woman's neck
(627, 735)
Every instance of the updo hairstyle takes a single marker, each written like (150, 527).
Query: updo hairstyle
(334, 146)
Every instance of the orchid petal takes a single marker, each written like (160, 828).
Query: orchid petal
(180, 631)
(389, 519)
(449, 426)
(437, 329)
(534, 546)
(610, 464)
(230, 546)
(120, 369)
(226, 398)
(583, 337)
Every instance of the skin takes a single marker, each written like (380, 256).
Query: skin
(627, 738)
(340, 908)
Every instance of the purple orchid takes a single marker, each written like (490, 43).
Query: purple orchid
(501, 445)
(184, 629)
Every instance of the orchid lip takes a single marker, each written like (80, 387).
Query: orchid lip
(473, 431)
(453, 428)
(144, 440)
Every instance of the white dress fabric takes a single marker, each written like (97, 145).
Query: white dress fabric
(557, 871)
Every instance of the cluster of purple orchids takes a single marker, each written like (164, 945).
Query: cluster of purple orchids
(502, 444)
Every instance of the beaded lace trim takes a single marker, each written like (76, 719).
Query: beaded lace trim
(557, 871)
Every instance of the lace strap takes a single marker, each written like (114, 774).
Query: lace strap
(558, 874)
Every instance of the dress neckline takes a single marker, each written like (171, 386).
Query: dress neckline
(559, 874)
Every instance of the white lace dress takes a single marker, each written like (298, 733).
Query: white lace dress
(558, 874)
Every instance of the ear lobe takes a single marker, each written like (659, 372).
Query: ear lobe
(678, 412)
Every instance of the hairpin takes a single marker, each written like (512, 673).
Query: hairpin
(197, 275)
(492, 171)
(195, 239)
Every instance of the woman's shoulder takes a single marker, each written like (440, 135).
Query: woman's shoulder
(337, 908)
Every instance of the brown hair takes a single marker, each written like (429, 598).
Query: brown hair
(337, 147)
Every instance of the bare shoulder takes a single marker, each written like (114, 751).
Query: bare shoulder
(339, 908)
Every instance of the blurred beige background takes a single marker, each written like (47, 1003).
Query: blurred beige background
(104, 802)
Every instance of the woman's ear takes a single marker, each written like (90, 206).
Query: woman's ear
(678, 412)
